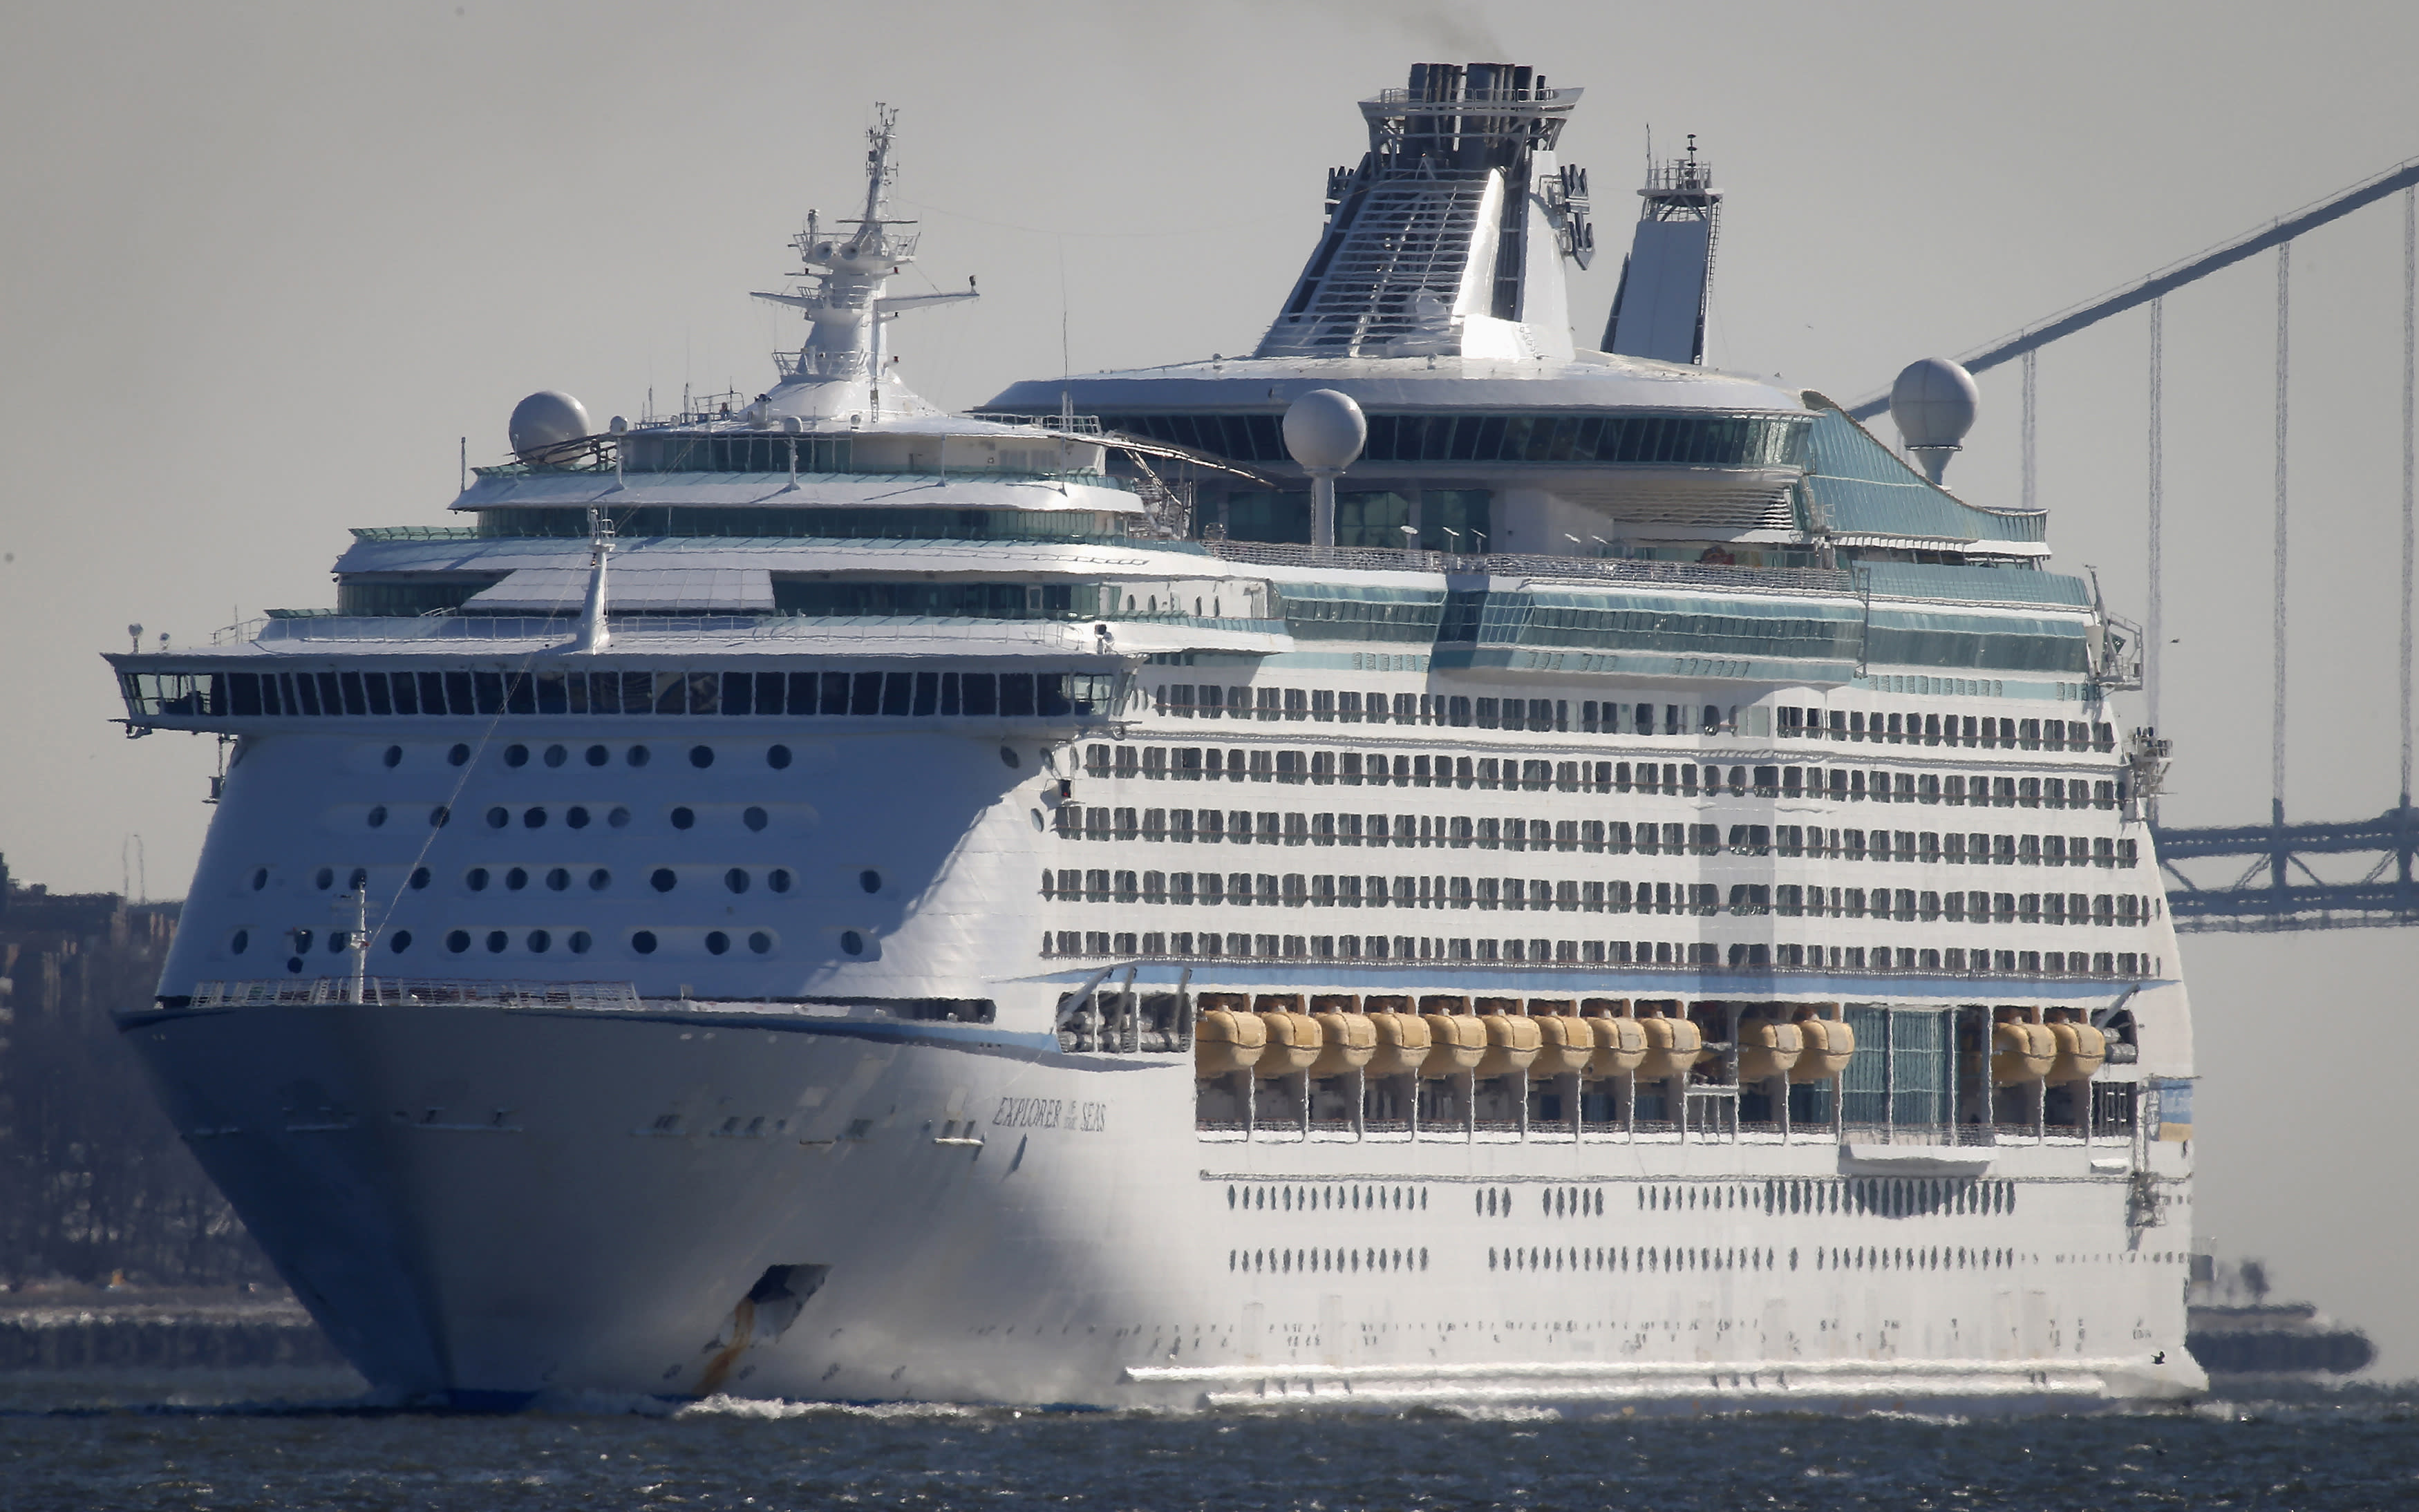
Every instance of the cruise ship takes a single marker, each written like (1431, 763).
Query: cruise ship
(1365, 873)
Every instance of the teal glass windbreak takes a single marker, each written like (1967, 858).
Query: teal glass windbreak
(1685, 440)
(1858, 487)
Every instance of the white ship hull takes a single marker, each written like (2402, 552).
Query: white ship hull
(486, 1204)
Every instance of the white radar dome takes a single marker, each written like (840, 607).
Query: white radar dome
(1325, 430)
(544, 422)
(1934, 402)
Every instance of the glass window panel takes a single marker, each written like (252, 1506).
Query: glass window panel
(1016, 695)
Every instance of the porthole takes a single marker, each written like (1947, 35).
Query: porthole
(325, 879)
(662, 879)
(618, 817)
(777, 757)
(579, 942)
(598, 755)
(556, 755)
(399, 941)
(393, 756)
(643, 942)
(540, 941)
(457, 941)
(701, 757)
(1008, 756)
(439, 815)
(557, 879)
(497, 940)
(419, 878)
(851, 942)
(533, 819)
(753, 818)
(516, 878)
(476, 879)
(636, 755)
(240, 942)
(599, 880)
(684, 818)
(717, 942)
(498, 817)
(576, 816)
(459, 756)
(377, 817)
(259, 878)
(516, 755)
(294, 963)
(777, 879)
(869, 880)
(761, 942)
(337, 943)
(360, 880)
(735, 879)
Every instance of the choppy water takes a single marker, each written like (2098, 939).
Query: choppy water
(257, 1441)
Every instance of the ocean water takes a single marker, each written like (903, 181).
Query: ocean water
(195, 1442)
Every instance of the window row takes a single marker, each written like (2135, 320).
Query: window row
(1940, 729)
(856, 694)
(1205, 701)
(1894, 960)
(299, 943)
(1297, 889)
(1837, 784)
(1244, 827)
(735, 879)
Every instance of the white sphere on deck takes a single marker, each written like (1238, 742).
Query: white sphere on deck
(1325, 430)
(1934, 402)
(545, 421)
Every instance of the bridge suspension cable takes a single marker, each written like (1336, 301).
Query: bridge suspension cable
(2168, 280)
(2156, 649)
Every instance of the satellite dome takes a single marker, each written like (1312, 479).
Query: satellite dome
(544, 422)
(1324, 430)
(1933, 403)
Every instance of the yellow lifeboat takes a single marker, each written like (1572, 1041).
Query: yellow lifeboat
(1402, 1047)
(2021, 1053)
(1830, 1044)
(1768, 1048)
(1672, 1046)
(1348, 1041)
(1294, 1040)
(2082, 1050)
(1512, 1043)
(1565, 1044)
(1620, 1046)
(1226, 1040)
(1456, 1043)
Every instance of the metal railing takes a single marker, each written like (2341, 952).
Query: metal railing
(1830, 581)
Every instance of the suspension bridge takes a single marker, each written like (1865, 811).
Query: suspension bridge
(2259, 876)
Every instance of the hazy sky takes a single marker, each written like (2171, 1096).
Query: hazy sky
(260, 267)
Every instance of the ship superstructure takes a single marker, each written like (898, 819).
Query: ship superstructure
(816, 897)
